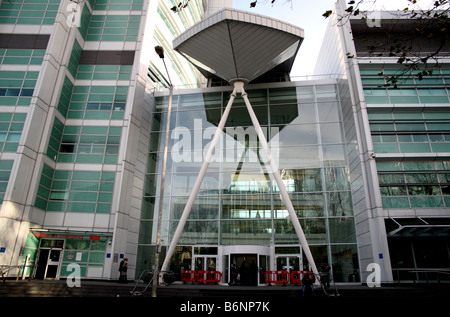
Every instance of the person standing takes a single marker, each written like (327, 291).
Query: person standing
(308, 287)
(123, 267)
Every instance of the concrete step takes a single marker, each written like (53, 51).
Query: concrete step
(61, 289)
(39, 288)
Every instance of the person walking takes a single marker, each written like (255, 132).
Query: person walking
(123, 267)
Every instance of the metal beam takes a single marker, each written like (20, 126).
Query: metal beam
(198, 182)
(279, 180)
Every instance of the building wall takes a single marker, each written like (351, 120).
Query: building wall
(72, 92)
(401, 138)
(333, 58)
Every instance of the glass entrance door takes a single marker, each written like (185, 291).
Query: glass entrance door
(246, 264)
(53, 264)
(288, 263)
(205, 263)
(247, 268)
(48, 264)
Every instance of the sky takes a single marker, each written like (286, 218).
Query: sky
(307, 14)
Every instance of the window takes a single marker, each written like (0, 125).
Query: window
(11, 126)
(75, 191)
(414, 184)
(5, 172)
(409, 90)
(17, 87)
(29, 11)
(113, 28)
(410, 132)
(93, 102)
(88, 144)
(21, 56)
(122, 5)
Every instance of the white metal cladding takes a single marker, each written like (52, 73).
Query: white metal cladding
(234, 44)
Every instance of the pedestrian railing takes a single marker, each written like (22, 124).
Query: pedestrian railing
(209, 276)
(190, 276)
(284, 277)
(4, 269)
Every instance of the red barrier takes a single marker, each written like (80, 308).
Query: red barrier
(277, 277)
(297, 276)
(209, 276)
(188, 276)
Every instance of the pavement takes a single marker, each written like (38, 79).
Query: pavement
(225, 299)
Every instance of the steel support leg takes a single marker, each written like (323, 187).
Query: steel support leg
(198, 182)
(278, 179)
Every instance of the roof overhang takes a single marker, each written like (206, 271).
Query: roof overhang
(418, 227)
(238, 45)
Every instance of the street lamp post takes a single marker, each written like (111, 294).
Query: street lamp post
(160, 51)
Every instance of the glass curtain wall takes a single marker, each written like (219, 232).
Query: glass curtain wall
(239, 202)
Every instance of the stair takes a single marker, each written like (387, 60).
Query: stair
(60, 289)
(39, 288)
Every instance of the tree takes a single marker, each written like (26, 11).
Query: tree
(181, 5)
(418, 48)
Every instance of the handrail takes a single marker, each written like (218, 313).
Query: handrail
(321, 277)
(6, 268)
(417, 279)
(134, 292)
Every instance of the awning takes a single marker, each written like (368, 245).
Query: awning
(238, 45)
(418, 227)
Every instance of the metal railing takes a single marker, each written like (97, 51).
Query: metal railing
(145, 281)
(4, 269)
(427, 276)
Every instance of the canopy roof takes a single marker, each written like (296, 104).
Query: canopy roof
(238, 45)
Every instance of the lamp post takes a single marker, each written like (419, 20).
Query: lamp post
(160, 51)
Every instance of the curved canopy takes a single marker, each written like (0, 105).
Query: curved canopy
(238, 45)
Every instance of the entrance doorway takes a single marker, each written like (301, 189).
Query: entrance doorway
(247, 268)
(245, 264)
(49, 259)
(288, 263)
(205, 263)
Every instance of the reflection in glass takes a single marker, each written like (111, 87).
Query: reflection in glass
(239, 202)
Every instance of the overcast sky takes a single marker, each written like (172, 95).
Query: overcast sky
(307, 14)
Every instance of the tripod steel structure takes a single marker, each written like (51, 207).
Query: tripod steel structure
(239, 88)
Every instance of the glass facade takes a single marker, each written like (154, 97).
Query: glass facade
(415, 130)
(410, 89)
(414, 184)
(239, 202)
(17, 87)
(29, 11)
(21, 56)
(412, 120)
(5, 172)
(411, 131)
(75, 191)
